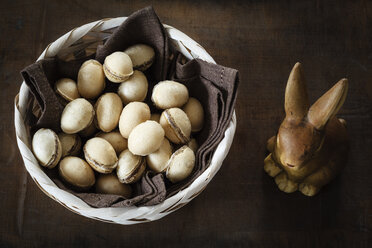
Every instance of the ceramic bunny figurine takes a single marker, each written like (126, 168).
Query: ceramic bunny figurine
(312, 144)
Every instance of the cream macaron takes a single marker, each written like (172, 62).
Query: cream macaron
(193, 145)
(157, 161)
(76, 172)
(76, 116)
(91, 79)
(71, 144)
(100, 155)
(67, 89)
(110, 184)
(118, 67)
(181, 164)
(194, 110)
(47, 147)
(146, 138)
(169, 94)
(176, 125)
(134, 89)
(142, 56)
(108, 109)
(133, 114)
(130, 167)
(118, 142)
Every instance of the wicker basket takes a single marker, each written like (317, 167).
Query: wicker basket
(78, 39)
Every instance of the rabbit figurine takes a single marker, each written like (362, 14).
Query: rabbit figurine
(312, 144)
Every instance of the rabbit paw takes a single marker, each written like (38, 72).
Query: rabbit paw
(284, 184)
(308, 189)
(271, 167)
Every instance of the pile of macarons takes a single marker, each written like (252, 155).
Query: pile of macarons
(110, 139)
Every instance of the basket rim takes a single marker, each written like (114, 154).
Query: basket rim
(176, 201)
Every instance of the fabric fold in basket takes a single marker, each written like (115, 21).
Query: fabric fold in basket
(213, 85)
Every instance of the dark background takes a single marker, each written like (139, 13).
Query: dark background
(242, 206)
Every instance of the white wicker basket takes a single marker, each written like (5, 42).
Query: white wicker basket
(124, 215)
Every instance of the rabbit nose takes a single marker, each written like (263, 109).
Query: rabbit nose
(290, 165)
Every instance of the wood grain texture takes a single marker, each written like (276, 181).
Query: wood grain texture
(242, 206)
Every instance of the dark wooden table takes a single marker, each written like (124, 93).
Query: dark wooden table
(242, 206)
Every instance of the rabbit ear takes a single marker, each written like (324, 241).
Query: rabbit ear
(328, 105)
(296, 102)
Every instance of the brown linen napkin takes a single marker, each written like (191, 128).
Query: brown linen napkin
(214, 85)
(40, 78)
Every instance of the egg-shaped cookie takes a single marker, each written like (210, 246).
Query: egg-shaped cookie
(118, 142)
(146, 138)
(169, 94)
(133, 114)
(158, 160)
(130, 167)
(193, 145)
(118, 67)
(142, 56)
(67, 89)
(76, 172)
(181, 164)
(110, 184)
(91, 79)
(176, 125)
(134, 89)
(71, 144)
(46, 147)
(76, 116)
(194, 110)
(100, 155)
(108, 109)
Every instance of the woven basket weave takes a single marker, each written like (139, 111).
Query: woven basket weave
(89, 36)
